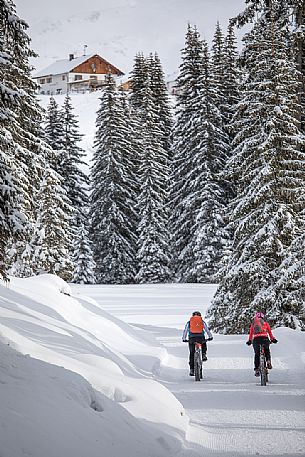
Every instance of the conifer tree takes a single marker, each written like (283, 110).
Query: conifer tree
(84, 264)
(10, 222)
(210, 239)
(53, 231)
(299, 37)
(151, 127)
(161, 100)
(153, 253)
(289, 288)
(218, 69)
(131, 159)
(232, 78)
(53, 133)
(21, 146)
(74, 179)
(112, 205)
(185, 142)
(270, 166)
(274, 10)
(139, 76)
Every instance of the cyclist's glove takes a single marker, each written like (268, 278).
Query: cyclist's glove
(274, 340)
(210, 339)
(249, 343)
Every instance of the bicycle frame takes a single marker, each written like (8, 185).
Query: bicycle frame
(263, 365)
(198, 361)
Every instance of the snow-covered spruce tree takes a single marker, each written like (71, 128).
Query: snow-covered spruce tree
(267, 7)
(232, 78)
(52, 232)
(226, 77)
(161, 100)
(153, 253)
(151, 124)
(26, 130)
(209, 238)
(131, 159)
(296, 19)
(289, 288)
(270, 168)
(112, 205)
(20, 127)
(11, 221)
(218, 68)
(74, 179)
(299, 36)
(84, 265)
(139, 76)
(53, 133)
(184, 143)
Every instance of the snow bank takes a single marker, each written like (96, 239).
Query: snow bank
(40, 318)
(49, 411)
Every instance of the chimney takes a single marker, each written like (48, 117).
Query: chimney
(71, 57)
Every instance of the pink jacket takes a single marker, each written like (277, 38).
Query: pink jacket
(267, 332)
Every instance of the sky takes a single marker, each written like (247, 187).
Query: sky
(101, 371)
(118, 29)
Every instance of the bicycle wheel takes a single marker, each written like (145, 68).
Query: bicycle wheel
(197, 365)
(263, 370)
(263, 377)
(197, 372)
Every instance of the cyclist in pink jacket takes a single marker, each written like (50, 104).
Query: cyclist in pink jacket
(260, 334)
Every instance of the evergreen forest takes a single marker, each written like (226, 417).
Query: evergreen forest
(203, 186)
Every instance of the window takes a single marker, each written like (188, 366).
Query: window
(48, 80)
(78, 77)
(63, 77)
(58, 91)
(42, 81)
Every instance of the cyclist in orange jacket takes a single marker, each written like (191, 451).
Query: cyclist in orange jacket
(260, 334)
(194, 332)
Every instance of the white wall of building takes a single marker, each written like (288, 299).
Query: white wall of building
(85, 76)
(58, 84)
(52, 85)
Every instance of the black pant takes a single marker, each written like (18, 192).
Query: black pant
(192, 341)
(256, 344)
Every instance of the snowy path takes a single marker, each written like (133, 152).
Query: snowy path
(231, 414)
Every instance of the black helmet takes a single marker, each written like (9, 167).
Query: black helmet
(196, 313)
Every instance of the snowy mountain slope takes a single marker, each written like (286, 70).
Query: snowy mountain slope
(118, 29)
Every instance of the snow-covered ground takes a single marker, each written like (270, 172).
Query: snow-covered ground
(103, 372)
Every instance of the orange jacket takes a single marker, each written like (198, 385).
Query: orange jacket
(267, 332)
